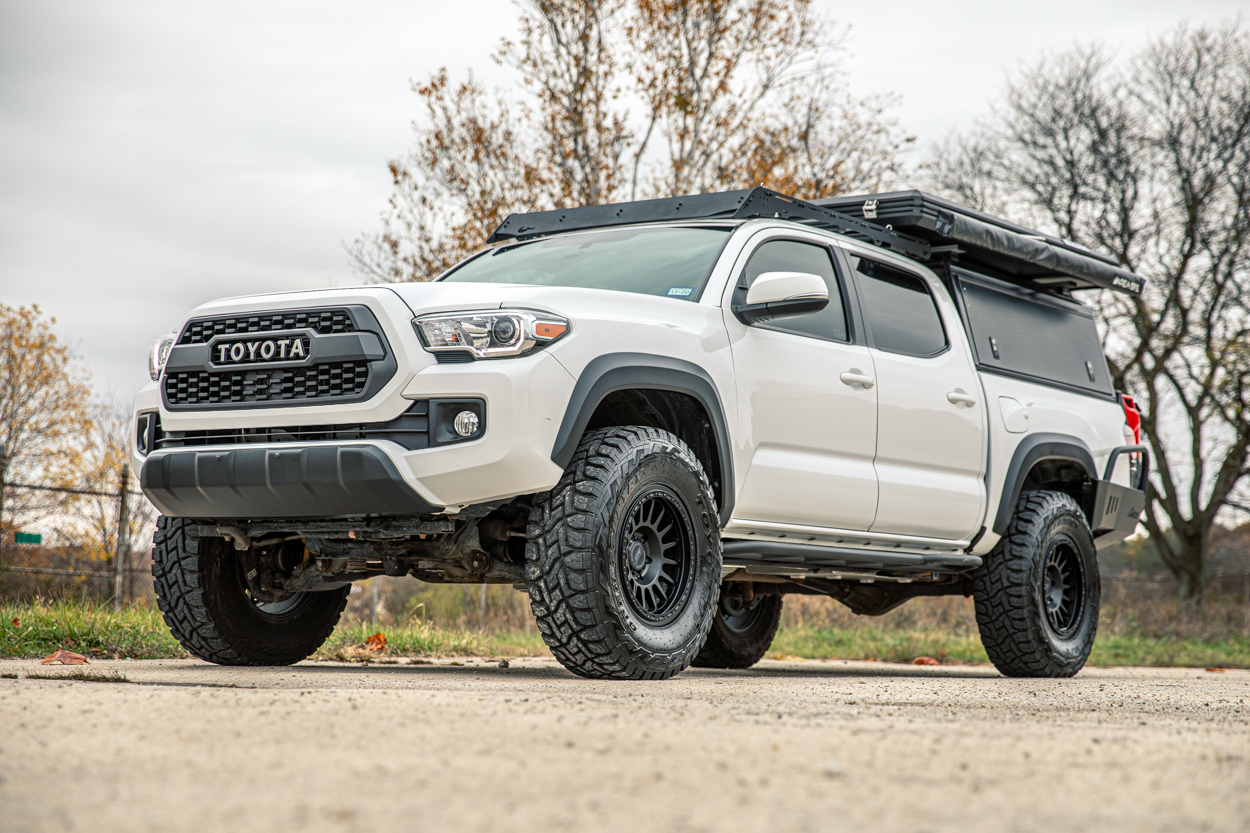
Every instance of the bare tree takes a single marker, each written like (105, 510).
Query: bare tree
(1152, 163)
(705, 67)
(967, 168)
(734, 93)
(471, 165)
(92, 523)
(566, 56)
(824, 142)
(46, 412)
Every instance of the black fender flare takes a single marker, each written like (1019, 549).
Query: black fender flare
(642, 371)
(1032, 450)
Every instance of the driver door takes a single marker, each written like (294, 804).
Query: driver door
(807, 404)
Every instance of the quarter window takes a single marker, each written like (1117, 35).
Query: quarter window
(900, 309)
(793, 256)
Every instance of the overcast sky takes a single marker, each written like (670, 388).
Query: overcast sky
(156, 155)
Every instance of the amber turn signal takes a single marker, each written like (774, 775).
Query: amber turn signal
(548, 330)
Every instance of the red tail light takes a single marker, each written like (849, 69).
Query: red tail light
(1132, 416)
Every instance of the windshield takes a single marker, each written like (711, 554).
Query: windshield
(669, 262)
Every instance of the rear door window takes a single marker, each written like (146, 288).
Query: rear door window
(794, 256)
(901, 313)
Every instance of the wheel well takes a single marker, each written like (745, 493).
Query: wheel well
(678, 413)
(1048, 461)
(1067, 476)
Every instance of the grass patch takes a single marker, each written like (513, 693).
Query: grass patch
(904, 645)
(82, 676)
(1120, 649)
(98, 631)
(881, 644)
(8, 676)
(350, 643)
(39, 628)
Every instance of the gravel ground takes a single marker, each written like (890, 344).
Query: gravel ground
(468, 745)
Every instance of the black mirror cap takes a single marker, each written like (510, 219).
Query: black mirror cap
(790, 308)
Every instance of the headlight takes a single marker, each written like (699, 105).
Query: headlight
(489, 335)
(159, 354)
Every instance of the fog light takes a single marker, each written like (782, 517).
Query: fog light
(466, 423)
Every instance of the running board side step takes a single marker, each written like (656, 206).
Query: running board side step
(775, 553)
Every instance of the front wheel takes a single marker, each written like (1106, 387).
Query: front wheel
(204, 599)
(743, 629)
(623, 558)
(1037, 594)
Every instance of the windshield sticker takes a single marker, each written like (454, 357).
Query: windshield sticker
(680, 291)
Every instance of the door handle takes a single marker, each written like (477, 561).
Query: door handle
(855, 376)
(958, 397)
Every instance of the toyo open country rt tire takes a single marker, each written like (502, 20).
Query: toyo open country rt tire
(1038, 592)
(203, 597)
(741, 632)
(623, 559)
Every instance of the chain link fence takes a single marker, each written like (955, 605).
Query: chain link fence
(30, 569)
(496, 608)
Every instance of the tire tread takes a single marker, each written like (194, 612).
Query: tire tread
(180, 577)
(566, 586)
(1011, 625)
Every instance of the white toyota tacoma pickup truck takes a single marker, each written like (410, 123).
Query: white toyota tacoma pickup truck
(657, 418)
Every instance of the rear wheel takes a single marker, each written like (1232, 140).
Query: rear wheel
(742, 631)
(1037, 594)
(204, 598)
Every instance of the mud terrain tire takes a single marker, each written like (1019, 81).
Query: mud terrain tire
(740, 634)
(1038, 591)
(202, 595)
(623, 557)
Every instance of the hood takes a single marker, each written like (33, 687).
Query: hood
(424, 298)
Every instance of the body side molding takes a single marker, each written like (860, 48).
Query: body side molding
(641, 371)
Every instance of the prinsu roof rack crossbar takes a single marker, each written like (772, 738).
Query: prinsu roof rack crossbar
(997, 246)
(913, 223)
(750, 204)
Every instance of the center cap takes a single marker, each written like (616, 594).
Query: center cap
(636, 552)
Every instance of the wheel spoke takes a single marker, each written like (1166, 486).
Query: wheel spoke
(655, 554)
(1062, 589)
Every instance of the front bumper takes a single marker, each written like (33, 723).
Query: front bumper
(523, 403)
(322, 481)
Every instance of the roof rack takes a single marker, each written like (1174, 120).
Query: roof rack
(749, 204)
(912, 223)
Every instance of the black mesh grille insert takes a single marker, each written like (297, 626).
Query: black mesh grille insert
(323, 321)
(328, 380)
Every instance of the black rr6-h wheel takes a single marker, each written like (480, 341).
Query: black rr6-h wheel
(1038, 592)
(623, 558)
(743, 629)
(203, 596)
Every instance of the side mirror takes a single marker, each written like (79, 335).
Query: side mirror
(783, 295)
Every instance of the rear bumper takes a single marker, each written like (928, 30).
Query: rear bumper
(321, 481)
(1117, 509)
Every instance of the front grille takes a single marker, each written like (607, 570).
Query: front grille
(327, 380)
(324, 322)
(410, 430)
